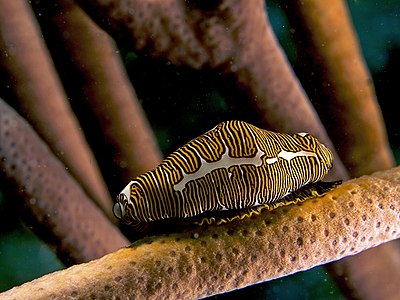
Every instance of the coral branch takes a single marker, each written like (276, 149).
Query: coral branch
(338, 80)
(66, 217)
(161, 28)
(99, 83)
(41, 98)
(359, 214)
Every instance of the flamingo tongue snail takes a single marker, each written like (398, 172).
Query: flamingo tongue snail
(228, 173)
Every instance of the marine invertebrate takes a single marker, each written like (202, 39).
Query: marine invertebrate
(233, 166)
(359, 214)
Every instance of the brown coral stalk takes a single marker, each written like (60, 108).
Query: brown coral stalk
(65, 216)
(41, 98)
(101, 84)
(360, 214)
(331, 61)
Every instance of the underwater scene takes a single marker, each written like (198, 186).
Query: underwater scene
(175, 149)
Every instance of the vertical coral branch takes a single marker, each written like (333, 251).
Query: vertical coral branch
(64, 215)
(99, 83)
(41, 98)
(332, 63)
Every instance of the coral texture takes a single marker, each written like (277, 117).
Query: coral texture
(357, 215)
(41, 97)
(68, 219)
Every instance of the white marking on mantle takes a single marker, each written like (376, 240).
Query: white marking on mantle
(224, 163)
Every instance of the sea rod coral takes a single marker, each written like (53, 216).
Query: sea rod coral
(339, 82)
(101, 94)
(64, 215)
(357, 215)
(34, 81)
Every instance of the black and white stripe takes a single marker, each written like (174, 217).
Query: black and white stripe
(235, 165)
